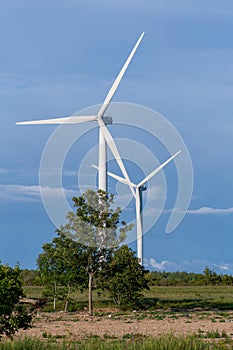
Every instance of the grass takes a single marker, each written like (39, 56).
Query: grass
(212, 297)
(175, 298)
(129, 342)
(34, 291)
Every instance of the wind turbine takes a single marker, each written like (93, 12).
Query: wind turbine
(139, 188)
(104, 134)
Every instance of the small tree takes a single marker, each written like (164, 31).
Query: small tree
(60, 265)
(12, 316)
(124, 278)
(29, 277)
(95, 225)
(211, 278)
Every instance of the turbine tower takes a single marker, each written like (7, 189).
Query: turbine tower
(139, 188)
(104, 134)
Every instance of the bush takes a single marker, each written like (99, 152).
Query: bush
(125, 279)
(12, 315)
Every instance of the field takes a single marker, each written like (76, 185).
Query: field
(205, 313)
(209, 297)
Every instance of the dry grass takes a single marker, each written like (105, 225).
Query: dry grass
(108, 323)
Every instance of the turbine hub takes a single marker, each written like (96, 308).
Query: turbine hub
(107, 119)
(142, 188)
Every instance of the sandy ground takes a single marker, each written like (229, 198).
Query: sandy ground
(110, 324)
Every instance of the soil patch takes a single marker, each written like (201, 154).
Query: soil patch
(112, 324)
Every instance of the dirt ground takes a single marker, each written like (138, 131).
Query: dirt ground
(110, 324)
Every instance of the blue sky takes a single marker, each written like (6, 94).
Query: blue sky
(59, 57)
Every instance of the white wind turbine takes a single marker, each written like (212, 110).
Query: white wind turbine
(104, 134)
(139, 188)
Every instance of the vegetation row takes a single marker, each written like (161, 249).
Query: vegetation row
(129, 342)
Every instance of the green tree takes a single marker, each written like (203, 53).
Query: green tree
(29, 277)
(95, 225)
(125, 278)
(211, 278)
(12, 315)
(60, 267)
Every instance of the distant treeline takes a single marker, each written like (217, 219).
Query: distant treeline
(156, 278)
(207, 278)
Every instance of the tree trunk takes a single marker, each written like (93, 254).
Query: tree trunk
(67, 297)
(54, 296)
(90, 293)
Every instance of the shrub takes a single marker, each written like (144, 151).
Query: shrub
(12, 315)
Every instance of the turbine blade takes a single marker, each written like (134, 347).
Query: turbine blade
(118, 79)
(116, 177)
(154, 172)
(76, 119)
(120, 179)
(111, 144)
(95, 166)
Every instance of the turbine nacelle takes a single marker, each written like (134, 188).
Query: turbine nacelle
(142, 188)
(107, 119)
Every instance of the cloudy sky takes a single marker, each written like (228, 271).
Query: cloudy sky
(59, 57)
